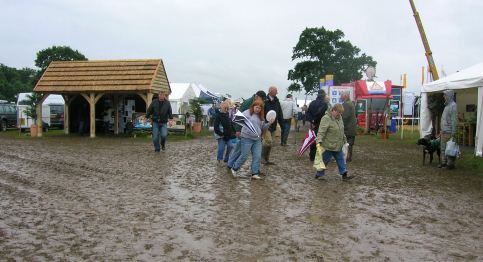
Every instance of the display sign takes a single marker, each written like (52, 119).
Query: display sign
(361, 106)
(336, 91)
(394, 106)
(375, 87)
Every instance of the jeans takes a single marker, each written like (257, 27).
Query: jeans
(255, 147)
(221, 149)
(234, 154)
(339, 159)
(160, 131)
(285, 130)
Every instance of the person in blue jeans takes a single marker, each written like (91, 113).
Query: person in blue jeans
(224, 132)
(160, 111)
(251, 142)
(235, 150)
(331, 138)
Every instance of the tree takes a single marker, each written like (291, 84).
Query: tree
(56, 53)
(321, 52)
(13, 81)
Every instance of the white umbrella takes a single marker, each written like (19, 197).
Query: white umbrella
(242, 120)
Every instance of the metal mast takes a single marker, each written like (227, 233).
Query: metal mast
(429, 54)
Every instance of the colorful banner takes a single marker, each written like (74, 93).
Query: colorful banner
(322, 83)
(329, 80)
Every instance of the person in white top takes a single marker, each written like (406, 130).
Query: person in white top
(289, 109)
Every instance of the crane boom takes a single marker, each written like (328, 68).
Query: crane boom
(429, 54)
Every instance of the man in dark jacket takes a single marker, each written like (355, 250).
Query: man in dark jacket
(271, 103)
(350, 122)
(160, 110)
(315, 112)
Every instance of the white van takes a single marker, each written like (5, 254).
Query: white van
(23, 121)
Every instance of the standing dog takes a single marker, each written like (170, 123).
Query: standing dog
(430, 145)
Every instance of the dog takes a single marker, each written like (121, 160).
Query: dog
(430, 145)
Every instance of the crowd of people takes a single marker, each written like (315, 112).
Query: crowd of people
(334, 126)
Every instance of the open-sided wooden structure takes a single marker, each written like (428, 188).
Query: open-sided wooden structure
(94, 79)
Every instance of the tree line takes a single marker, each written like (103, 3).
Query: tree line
(14, 81)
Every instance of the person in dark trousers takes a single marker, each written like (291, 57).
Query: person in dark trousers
(271, 103)
(236, 149)
(224, 131)
(160, 110)
(350, 122)
(315, 112)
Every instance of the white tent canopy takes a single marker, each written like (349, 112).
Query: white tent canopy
(470, 78)
(180, 95)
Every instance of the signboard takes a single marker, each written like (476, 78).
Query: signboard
(336, 91)
(361, 106)
(376, 87)
(394, 106)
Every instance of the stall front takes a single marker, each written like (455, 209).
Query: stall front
(102, 91)
(468, 87)
(372, 98)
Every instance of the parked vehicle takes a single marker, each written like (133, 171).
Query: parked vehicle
(8, 115)
(57, 115)
(24, 122)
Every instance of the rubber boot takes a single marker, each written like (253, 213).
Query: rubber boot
(163, 142)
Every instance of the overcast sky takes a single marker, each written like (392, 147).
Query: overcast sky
(239, 47)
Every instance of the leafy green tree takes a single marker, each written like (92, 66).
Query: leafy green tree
(57, 53)
(13, 81)
(320, 52)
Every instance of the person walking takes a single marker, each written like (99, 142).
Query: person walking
(331, 138)
(271, 103)
(235, 151)
(224, 131)
(304, 114)
(350, 123)
(449, 121)
(212, 114)
(250, 142)
(315, 112)
(289, 109)
(160, 110)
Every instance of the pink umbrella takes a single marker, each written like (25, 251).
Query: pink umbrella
(308, 140)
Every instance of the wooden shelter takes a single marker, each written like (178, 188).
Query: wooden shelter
(94, 79)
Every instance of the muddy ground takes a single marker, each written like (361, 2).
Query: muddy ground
(76, 198)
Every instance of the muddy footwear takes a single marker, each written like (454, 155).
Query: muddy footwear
(269, 163)
(234, 173)
(256, 176)
(319, 175)
(346, 177)
(442, 165)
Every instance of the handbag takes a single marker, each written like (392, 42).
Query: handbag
(452, 149)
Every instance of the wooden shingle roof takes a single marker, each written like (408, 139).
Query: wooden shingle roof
(104, 76)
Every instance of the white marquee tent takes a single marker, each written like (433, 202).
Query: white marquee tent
(467, 82)
(180, 95)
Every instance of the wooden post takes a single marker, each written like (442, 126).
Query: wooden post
(116, 115)
(92, 103)
(149, 99)
(68, 100)
(39, 114)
